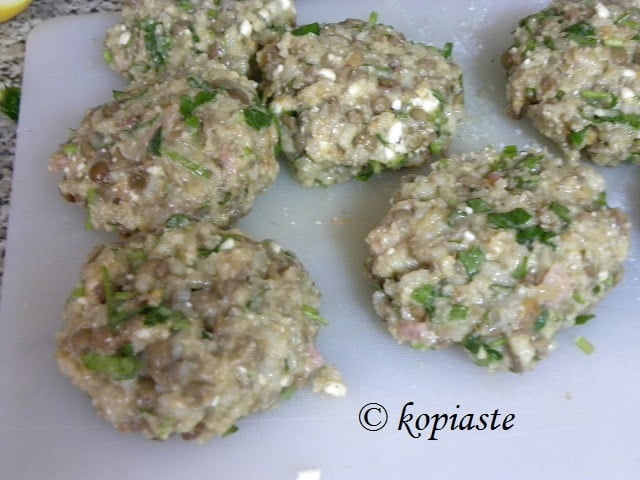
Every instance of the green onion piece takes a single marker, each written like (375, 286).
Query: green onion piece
(478, 205)
(425, 295)
(121, 366)
(582, 319)
(257, 117)
(188, 164)
(373, 18)
(599, 99)
(522, 269)
(178, 220)
(313, 314)
(560, 95)
(472, 259)
(10, 102)
(313, 28)
(585, 345)
(515, 218)
(458, 312)
(155, 144)
(583, 33)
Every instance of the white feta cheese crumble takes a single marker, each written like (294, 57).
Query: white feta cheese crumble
(245, 28)
(602, 11)
(327, 73)
(428, 102)
(395, 132)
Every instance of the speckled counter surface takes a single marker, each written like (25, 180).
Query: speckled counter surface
(13, 35)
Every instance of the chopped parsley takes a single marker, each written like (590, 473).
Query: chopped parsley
(258, 117)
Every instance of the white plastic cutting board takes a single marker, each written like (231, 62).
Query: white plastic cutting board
(576, 416)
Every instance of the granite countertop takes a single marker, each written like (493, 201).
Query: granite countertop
(13, 35)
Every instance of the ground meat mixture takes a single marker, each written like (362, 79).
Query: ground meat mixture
(161, 35)
(496, 251)
(574, 72)
(357, 97)
(190, 330)
(197, 147)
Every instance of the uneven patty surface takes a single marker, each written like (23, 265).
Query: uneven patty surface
(197, 147)
(496, 252)
(158, 36)
(574, 73)
(356, 97)
(189, 330)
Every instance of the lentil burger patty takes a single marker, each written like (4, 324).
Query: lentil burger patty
(574, 72)
(158, 36)
(496, 252)
(189, 330)
(357, 97)
(192, 146)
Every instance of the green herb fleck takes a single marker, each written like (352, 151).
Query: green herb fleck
(123, 365)
(313, 314)
(526, 236)
(582, 319)
(447, 50)
(287, 392)
(230, 431)
(522, 269)
(561, 211)
(178, 220)
(478, 205)
(258, 117)
(458, 312)
(542, 320)
(155, 144)
(369, 170)
(515, 218)
(425, 295)
(484, 353)
(599, 99)
(585, 345)
(157, 42)
(472, 260)
(583, 33)
(577, 138)
(313, 28)
(193, 167)
(10, 102)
